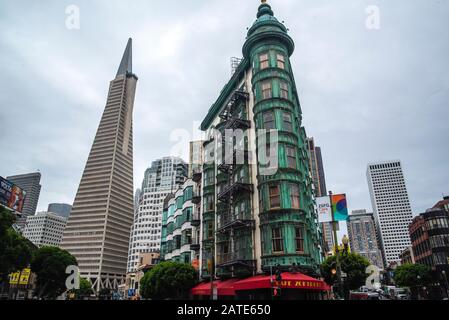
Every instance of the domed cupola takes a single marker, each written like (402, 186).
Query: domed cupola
(266, 28)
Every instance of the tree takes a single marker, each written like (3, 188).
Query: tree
(85, 290)
(413, 276)
(354, 265)
(16, 252)
(50, 264)
(168, 280)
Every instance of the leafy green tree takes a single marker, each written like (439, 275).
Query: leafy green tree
(50, 264)
(354, 265)
(16, 252)
(168, 280)
(85, 290)
(413, 276)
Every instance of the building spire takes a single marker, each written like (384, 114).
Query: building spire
(126, 65)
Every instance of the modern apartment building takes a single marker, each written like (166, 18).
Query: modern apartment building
(161, 179)
(98, 229)
(45, 229)
(181, 225)
(30, 183)
(257, 208)
(391, 206)
(363, 238)
(429, 233)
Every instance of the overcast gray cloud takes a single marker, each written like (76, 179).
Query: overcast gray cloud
(366, 95)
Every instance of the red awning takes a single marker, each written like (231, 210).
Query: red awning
(224, 288)
(289, 281)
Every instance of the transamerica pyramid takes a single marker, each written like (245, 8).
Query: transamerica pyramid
(98, 229)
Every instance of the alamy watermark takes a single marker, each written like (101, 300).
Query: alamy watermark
(372, 21)
(373, 280)
(235, 147)
(73, 280)
(72, 21)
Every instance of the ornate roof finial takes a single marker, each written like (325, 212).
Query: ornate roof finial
(264, 8)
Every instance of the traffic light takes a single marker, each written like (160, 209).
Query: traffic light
(278, 275)
(334, 268)
(276, 292)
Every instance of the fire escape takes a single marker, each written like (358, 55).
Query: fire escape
(229, 222)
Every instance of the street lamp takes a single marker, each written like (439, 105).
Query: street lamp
(345, 242)
(447, 284)
(419, 285)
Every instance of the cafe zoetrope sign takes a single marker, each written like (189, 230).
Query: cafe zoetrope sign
(298, 284)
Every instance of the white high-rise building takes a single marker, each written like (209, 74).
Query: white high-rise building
(162, 178)
(391, 206)
(45, 229)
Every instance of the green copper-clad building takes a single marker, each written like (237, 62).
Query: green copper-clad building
(257, 199)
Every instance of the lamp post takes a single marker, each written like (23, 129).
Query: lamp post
(345, 242)
(446, 283)
(338, 263)
(419, 286)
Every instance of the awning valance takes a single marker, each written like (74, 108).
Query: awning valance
(289, 281)
(224, 288)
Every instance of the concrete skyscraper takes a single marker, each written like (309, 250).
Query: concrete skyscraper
(164, 177)
(30, 183)
(363, 237)
(319, 183)
(391, 206)
(97, 232)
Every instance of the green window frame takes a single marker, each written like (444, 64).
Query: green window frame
(287, 121)
(264, 61)
(294, 195)
(188, 193)
(299, 239)
(280, 60)
(269, 120)
(290, 153)
(277, 240)
(283, 89)
(274, 196)
(267, 89)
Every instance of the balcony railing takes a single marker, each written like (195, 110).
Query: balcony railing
(238, 97)
(195, 245)
(237, 123)
(196, 219)
(235, 258)
(196, 175)
(228, 220)
(196, 197)
(234, 188)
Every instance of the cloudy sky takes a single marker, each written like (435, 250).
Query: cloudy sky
(367, 94)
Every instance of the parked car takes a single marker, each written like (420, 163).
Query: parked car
(401, 294)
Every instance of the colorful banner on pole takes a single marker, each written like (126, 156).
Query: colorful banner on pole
(340, 207)
(324, 209)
